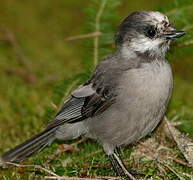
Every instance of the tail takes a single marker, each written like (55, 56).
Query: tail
(29, 147)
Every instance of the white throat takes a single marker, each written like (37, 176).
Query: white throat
(152, 46)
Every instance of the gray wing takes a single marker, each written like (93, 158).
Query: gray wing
(85, 102)
(94, 97)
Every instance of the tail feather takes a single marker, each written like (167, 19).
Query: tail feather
(29, 147)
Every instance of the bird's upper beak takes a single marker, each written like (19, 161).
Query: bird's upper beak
(173, 33)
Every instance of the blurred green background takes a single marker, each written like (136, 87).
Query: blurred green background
(39, 57)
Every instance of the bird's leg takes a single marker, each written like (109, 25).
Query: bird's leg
(118, 151)
(119, 167)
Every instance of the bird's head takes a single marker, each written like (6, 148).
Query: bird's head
(146, 32)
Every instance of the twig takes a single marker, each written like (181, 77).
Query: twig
(107, 164)
(32, 166)
(172, 170)
(10, 37)
(72, 85)
(188, 27)
(160, 162)
(76, 178)
(186, 43)
(93, 153)
(83, 36)
(97, 29)
(28, 77)
(180, 162)
(68, 90)
(162, 171)
(21, 58)
(55, 176)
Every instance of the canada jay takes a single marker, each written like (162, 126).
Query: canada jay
(125, 98)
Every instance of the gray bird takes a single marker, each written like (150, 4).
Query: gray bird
(125, 98)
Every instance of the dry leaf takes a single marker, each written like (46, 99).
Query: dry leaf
(184, 143)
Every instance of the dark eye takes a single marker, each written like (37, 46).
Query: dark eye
(151, 32)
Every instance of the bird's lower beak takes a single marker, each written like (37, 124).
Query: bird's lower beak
(172, 34)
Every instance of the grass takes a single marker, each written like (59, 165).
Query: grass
(23, 104)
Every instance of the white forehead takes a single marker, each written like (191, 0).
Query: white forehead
(158, 17)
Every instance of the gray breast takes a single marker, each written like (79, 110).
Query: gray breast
(141, 103)
(147, 96)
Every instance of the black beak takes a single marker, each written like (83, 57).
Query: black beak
(173, 34)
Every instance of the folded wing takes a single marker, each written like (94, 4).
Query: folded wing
(85, 102)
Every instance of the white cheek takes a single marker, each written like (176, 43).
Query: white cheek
(144, 44)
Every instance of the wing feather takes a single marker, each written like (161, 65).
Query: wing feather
(90, 99)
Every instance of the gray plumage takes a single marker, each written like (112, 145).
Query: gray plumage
(125, 98)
